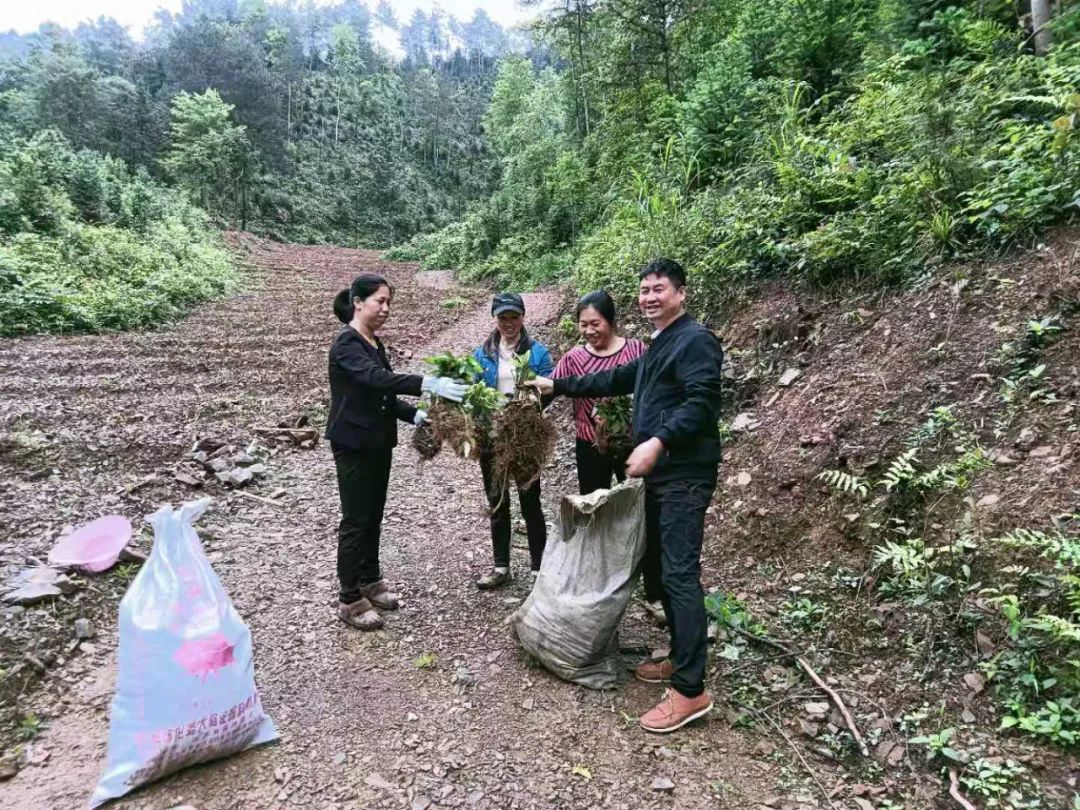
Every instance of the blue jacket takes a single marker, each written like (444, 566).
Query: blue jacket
(539, 361)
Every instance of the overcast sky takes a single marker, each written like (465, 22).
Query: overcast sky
(26, 16)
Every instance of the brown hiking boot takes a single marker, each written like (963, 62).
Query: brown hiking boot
(675, 711)
(380, 596)
(654, 671)
(360, 614)
(492, 580)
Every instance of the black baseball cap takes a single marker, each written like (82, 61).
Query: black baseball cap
(507, 302)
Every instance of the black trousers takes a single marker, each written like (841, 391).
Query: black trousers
(531, 510)
(363, 476)
(675, 528)
(595, 469)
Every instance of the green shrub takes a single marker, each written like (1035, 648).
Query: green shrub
(98, 278)
(87, 245)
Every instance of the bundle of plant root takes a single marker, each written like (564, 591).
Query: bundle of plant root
(450, 423)
(522, 441)
(614, 417)
(425, 443)
(465, 426)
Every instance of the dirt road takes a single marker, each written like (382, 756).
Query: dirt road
(102, 421)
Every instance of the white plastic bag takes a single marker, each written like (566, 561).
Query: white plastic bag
(570, 620)
(185, 690)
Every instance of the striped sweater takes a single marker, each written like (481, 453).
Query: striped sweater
(580, 360)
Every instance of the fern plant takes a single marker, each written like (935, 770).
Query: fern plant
(901, 470)
(941, 420)
(1038, 677)
(906, 558)
(1063, 550)
(954, 474)
(845, 482)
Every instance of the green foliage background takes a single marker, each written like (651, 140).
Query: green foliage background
(88, 245)
(811, 139)
(122, 159)
(865, 140)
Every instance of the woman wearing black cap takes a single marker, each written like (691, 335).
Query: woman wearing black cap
(362, 430)
(496, 355)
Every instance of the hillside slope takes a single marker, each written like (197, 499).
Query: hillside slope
(901, 592)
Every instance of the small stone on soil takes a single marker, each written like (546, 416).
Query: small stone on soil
(9, 766)
(32, 593)
(809, 729)
(376, 780)
(975, 682)
(788, 377)
(236, 477)
(816, 711)
(663, 784)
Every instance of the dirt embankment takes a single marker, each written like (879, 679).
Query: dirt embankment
(981, 360)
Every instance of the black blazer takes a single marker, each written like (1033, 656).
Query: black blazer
(363, 394)
(676, 385)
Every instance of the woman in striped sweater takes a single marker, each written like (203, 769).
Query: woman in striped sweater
(603, 349)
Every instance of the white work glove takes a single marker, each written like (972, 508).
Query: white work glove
(444, 387)
(420, 418)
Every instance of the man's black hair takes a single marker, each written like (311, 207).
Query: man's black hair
(665, 268)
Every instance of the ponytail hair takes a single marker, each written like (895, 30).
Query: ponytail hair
(343, 306)
(364, 285)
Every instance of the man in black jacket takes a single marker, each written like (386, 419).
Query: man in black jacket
(676, 386)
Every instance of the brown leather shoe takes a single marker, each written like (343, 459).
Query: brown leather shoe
(492, 580)
(360, 614)
(675, 711)
(380, 596)
(654, 671)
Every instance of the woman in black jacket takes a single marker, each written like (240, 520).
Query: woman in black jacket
(362, 430)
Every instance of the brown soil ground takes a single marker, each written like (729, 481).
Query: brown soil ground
(98, 424)
(86, 418)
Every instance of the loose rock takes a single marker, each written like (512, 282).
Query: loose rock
(377, 781)
(788, 377)
(663, 785)
(236, 477)
(809, 729)
(744, 422)
(188, 479)
(816, 711)
(31, 594)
